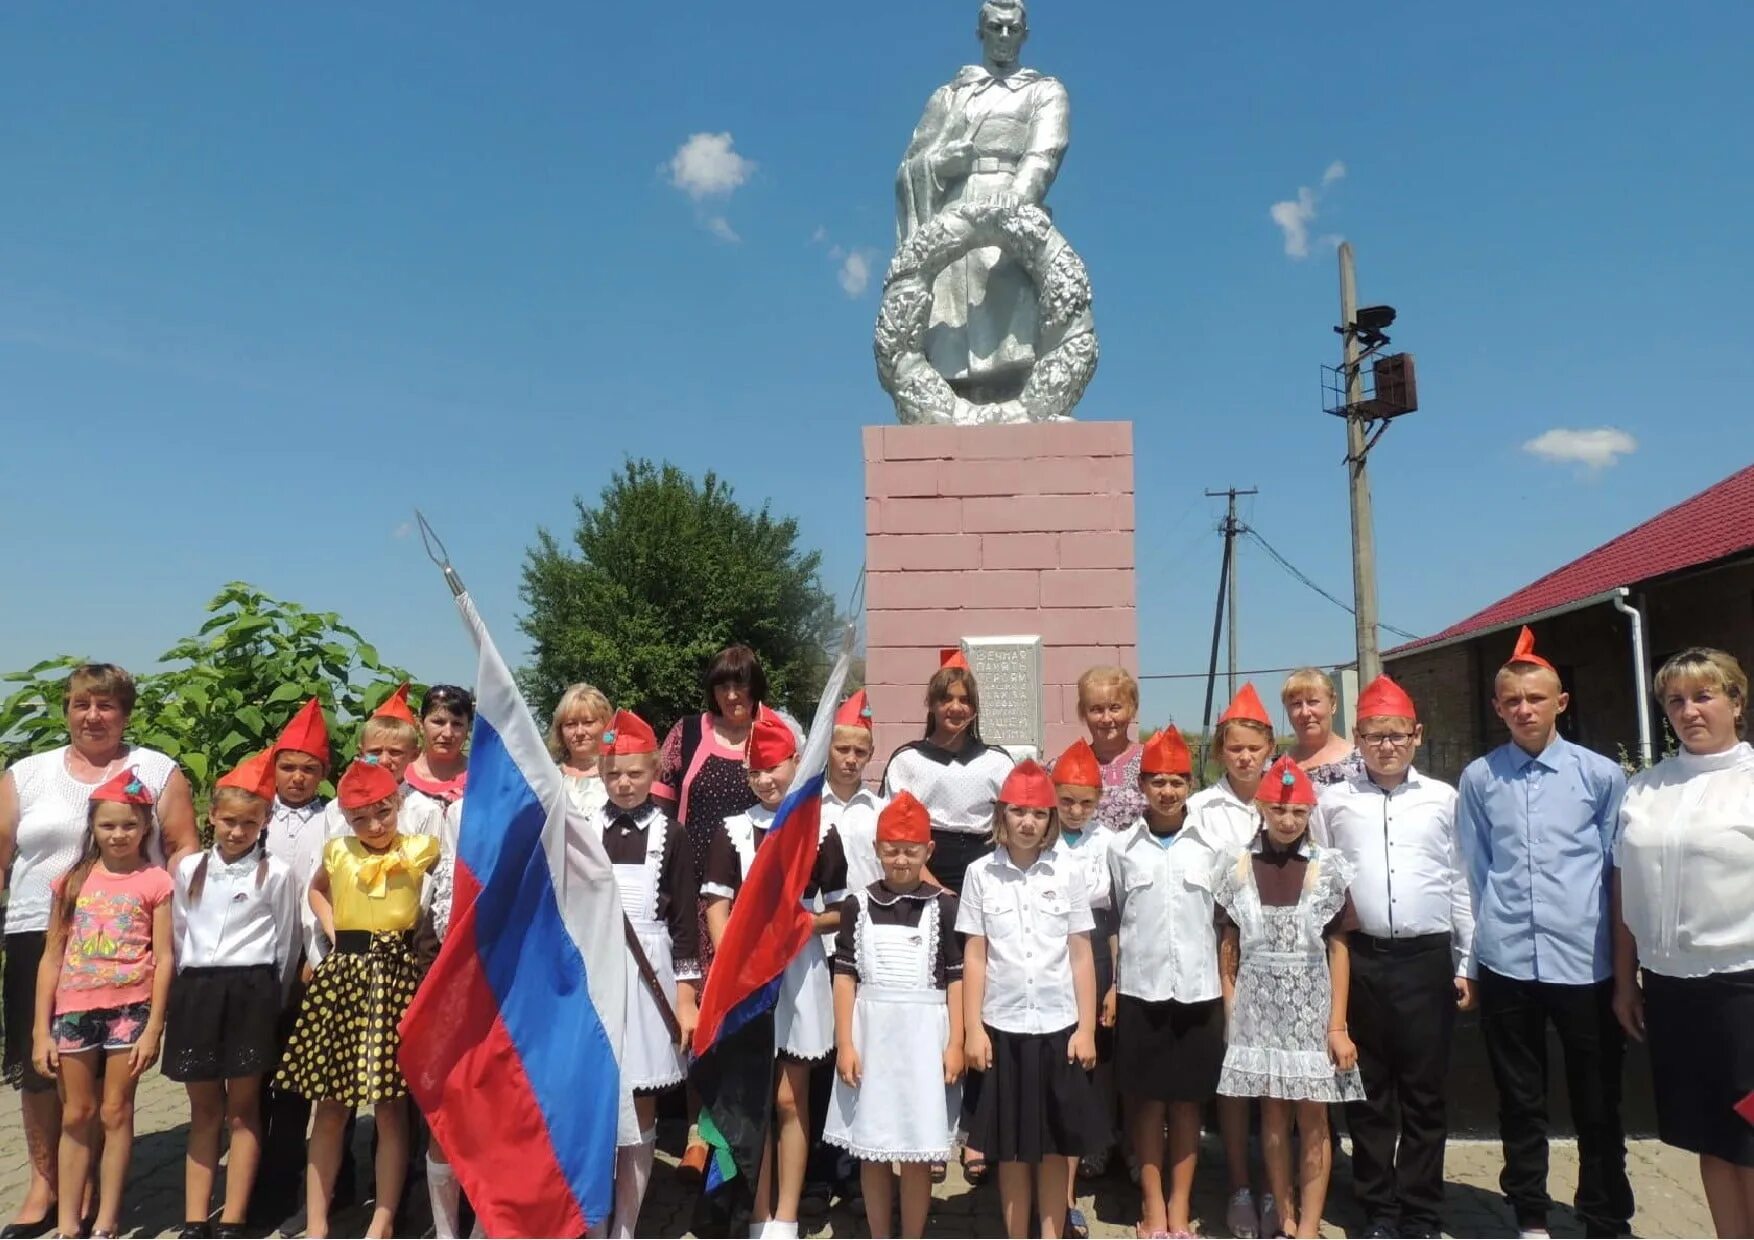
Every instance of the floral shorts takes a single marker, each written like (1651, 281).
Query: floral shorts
(100, 1029)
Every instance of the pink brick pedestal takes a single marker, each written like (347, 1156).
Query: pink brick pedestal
(989, 531)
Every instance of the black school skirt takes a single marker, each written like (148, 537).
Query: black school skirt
(1700, 1031)
(1168, 1052)
(1033, 1103)
(220, 1023)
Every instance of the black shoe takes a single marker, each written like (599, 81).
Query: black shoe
(28, 1231)
(1381, 1229)
(196, 1231)
(292, 1225)
(230, 1231)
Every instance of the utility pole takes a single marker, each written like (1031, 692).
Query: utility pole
(1363, 529)
(1226, 587)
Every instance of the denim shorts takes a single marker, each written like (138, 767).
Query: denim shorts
(100, 1029)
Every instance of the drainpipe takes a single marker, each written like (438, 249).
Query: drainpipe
(1641, 692)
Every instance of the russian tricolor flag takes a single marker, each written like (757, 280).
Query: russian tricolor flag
(512, 1045)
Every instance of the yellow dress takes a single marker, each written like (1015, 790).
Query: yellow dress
(344, 1043)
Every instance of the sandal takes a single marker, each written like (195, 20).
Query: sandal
(1077, 1226)
(939, 1170)
(975, 1170)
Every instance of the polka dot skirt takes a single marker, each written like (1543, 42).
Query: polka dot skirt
(343, 1046)
(720, 789)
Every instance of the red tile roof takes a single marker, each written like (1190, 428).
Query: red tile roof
(1716, 523)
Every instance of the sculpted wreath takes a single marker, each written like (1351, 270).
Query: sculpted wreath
(1066, 347)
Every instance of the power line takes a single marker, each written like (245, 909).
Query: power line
(1291, 568)
(1259, 671)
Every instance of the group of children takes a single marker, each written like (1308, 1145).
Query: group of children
(1200, 953)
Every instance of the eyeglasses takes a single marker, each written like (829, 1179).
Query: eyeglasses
(1385, 740)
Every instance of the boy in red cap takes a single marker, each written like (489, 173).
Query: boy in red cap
(1029, 1000)
(301, 763)
(898, 1023)
(1225, 818)
(654, 868)
(342, 1053)
(1084, 843)
(1169, 1015)
(847, 805)
(1537, 819)
(1284, 967)
(1411, 956)
(804, 1010)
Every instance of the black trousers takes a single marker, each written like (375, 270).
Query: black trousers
(1402, 1010)
(1514, 1016)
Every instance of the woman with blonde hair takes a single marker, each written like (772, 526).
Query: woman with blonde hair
(1683, 868)
(1108, 701)
(1310, 701)
(575, 733)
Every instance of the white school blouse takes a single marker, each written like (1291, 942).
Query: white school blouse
(1686, 857)
(1224, 821)
(1027, 918)
(1162, 892)
(236, 922)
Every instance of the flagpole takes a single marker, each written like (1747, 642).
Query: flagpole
(429, 539)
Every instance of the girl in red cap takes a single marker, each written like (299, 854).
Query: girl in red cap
(101, 993)
(804, 1010)
(1285, 970)
(1029, 998)
(343, 1048)
(898, 1023)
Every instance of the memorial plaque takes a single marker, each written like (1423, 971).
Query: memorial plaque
(1007, 671)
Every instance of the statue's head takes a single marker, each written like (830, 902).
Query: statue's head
(1003, 27)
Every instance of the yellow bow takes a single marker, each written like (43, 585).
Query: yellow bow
(377, 868)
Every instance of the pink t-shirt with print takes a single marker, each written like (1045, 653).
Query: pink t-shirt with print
(109, 944)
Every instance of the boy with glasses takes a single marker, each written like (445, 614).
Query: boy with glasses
(1412, 958)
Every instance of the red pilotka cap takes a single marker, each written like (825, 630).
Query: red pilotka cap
(254, 774)
(396, 706)
(306, 733)
(855, 712)
(1246, 705)
(770, 742)
(1525, 651)
(904, 821)
(1166, 753)
(124, 788)
(952, 656)
(1028, 786)
(627, 734)
(1383, 698)
(1078, 767)
(1286, 784)
(365, 783)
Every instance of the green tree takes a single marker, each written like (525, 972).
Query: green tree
(228, 690)
(663, 573)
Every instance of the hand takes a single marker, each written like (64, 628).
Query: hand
(847, 1065)
(1081, 1049)
(955, 1064)
(687, 1017)
(978, 1049)
(953, 159)
(1109, 1003)
(43, 1055)
(1465, 1000)
(1341, 1050)
(145, 1052)
(1629, 1009)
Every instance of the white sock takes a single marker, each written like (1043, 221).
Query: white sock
(446, 1198)
(757, 1230)
(633, 1171)
(780, 1229)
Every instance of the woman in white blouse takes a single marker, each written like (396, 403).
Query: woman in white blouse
(574, 735)
(1684, 913)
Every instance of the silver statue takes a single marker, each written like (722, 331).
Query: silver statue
(981, 161)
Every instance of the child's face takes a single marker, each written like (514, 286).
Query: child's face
(1077, 804)
(1530, 704)
(902, 863)
(628, 778)
(847, 755)
(296, 776)
(582, 734)
(445, 733)
(954, 712)
(1244, 753)
(237, 825)
(120, 831)
(1388, 743)
(390, 752)
(1026, 827)
(1285, 823)
(375, 824)
(1166, 794)
(770, 785)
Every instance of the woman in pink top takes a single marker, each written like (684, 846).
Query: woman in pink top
(100, 995)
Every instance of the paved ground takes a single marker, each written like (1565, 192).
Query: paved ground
(1666, 1182)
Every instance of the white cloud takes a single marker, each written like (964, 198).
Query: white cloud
(855, 273)
(1595, 449)
(708, 166)
(1295, 215)
(403, 530)
(721, 228)
(819, 236)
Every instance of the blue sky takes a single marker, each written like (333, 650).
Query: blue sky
(274, 274)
